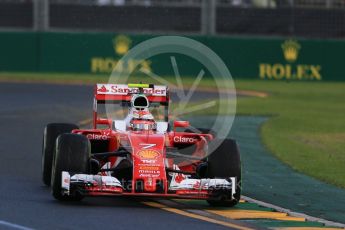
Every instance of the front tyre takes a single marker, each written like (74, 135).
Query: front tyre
(51, 132)
(225, 162)
(72, 155)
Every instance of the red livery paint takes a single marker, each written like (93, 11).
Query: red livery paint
(138, 156)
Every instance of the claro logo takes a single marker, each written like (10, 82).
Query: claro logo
(97, 137)
(290, 70)
(179, 139)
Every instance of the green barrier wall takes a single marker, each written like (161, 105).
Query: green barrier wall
(260, 58)
(19, 52)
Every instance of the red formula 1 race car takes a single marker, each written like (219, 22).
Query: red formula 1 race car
(140, 155)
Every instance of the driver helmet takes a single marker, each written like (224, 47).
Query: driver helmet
(142, 119)
(140, 107)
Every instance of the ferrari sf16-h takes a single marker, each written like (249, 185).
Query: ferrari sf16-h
(143, 154)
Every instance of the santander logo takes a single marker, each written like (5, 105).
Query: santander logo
(102, 89)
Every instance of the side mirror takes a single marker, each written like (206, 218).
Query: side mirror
(181, 124)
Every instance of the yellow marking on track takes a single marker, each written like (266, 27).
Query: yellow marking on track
(307, 228)
(195, 216)
(249, 214)
(252, 93)
(182, 200)
(154, 204)
(291, 218)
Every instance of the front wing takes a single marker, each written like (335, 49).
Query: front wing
(97, 185)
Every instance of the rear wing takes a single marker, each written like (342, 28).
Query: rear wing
(122, 93)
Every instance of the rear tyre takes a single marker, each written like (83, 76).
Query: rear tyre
(225, 162)
(51, 132)
(72, 154)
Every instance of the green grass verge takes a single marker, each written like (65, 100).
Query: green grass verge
(307, 128)
(53, 78)
(307, 125)
(90, 78)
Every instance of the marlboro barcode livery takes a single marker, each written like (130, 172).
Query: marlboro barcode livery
(143, 154)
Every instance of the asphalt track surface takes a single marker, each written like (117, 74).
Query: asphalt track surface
(25, 201)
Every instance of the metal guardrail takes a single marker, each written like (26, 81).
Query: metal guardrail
(177, 3)
(198, 3)
(307, 18)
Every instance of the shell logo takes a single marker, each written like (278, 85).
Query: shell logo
(148, 154)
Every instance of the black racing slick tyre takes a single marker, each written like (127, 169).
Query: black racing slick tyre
(72, 154)
(225, 162)
(51, 132)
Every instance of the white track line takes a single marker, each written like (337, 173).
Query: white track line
(295, 214)
(13, 226)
